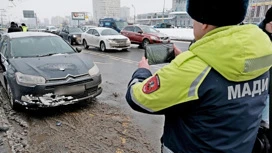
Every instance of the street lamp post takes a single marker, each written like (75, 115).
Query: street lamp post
(2, 10)
(134, 13)
(163, 11)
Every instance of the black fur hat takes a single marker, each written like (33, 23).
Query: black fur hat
(268, 16)
(218, 12)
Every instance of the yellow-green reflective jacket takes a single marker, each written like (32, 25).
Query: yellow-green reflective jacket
(24, 28)
(219, 85)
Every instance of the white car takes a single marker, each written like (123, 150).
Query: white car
(105, 39)
(87, 27)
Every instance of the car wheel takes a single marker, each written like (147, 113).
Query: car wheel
(85, 44)
(145, 43)
(125, 49)
(70, 40)
(102, 46)
(11, 99)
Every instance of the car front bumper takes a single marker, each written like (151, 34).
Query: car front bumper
(52, 100)
(117, 46)
(161, 41)
(56, 92)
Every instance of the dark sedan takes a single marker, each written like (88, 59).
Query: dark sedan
(71, 34)
(41, 70)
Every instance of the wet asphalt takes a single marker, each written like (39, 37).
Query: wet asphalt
(107, 124)
(117, 68)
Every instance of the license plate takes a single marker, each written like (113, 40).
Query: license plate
(70, 90)
(122, 44)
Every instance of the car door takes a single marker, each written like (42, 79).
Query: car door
(65, 33)
(3, 56)
(96, 38)
(138, 34)
(128, 32)
(89, 36)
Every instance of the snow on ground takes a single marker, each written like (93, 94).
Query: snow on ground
(178, 33)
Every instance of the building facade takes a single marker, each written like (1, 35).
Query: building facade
(179, 5)
(153, 18)
(106, 8)
(257, 10)
(125, 13)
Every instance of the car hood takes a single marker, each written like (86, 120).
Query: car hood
(56, 66)
(158, 34)
(115, 37)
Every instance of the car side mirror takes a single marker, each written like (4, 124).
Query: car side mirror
(97, 35)
(78, 49)
(140, 32)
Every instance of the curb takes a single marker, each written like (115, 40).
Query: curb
(4, 143)
(182, 40)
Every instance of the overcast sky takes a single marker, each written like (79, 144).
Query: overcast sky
(49, 8)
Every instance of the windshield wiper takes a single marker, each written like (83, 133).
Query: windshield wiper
(49, 54)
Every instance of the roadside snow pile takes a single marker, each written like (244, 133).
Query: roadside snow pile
(178, 33)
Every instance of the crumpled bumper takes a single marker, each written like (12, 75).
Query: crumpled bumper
(52, 100)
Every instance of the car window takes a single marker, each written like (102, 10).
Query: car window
(39, 46)
(90, 31)
(147, 29)
(4, 47)
(137, 29)
(129, 28)
(107, 32)
(75, 30)
(1, 40)
(95, 32)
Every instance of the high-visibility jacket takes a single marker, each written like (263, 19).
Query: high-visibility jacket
(25, 28)
(213, 95)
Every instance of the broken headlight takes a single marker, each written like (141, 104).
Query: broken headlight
(29, 80)
(94, 70)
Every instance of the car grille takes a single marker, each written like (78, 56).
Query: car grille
(85, 82)
(164, 38)
(120, 41)
(68, 77)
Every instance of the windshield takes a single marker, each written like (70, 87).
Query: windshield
(107, 32)
(121, 24)
(147, 29)
(53, 28)
(39, 46)
(75, 30)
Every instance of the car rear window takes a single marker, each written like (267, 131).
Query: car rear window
(130, 28)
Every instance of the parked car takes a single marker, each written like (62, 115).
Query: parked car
(42, 70)
(144, 35)
(87, 27)
(2, 31)
(163, 25)
(71, 34)
(51, 29)
(105, 39)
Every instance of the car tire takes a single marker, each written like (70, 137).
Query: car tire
(145, 43)
(11, 99)
(125, 50)
(85, 44)
(70, 41)
(102, 46)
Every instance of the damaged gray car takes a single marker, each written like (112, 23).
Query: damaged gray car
(42, 70)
